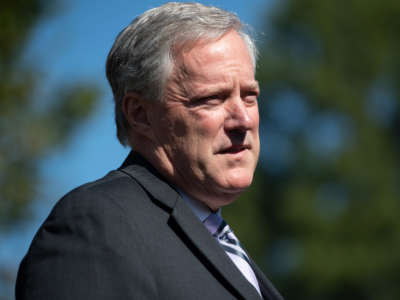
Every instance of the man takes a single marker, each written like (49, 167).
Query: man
(186, 103)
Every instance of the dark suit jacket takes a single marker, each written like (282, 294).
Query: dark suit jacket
(129, 235)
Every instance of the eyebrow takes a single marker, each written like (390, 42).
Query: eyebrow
(224, 88)
(254, 85)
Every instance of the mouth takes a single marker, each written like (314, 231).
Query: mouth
(234, 149)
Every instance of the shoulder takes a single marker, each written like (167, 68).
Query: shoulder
(94, 209)
(103, 211)
(90, 233)
(115, 191)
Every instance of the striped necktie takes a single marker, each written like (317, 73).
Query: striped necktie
(229, 242)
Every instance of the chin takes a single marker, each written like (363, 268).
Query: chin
(223, 199)
(239, 180)
(226, 193)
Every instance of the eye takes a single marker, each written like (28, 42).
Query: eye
(209, 100)
(250, 97)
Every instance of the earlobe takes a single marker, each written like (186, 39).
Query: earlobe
(135, 113)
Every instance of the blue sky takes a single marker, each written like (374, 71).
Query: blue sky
(69, 46)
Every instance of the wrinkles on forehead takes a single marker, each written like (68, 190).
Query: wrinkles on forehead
(195, 78)
(208, 67)
(181, 49)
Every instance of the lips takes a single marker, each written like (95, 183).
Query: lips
(234, 149)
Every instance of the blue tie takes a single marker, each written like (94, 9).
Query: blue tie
(229, 242)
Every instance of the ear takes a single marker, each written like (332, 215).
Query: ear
(135, 113)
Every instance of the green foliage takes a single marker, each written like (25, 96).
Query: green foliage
(330, 90)
(30, 127)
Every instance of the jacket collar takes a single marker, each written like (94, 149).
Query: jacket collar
(188, 226)
(150, 179)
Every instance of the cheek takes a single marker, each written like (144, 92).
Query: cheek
(179, 128)
(209, 123)
(255, 116)
(255, 123)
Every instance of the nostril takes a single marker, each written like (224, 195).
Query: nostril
(237, 136)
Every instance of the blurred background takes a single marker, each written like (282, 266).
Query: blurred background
(322, 217)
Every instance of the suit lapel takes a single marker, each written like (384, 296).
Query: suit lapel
(189, 227)
(210, 251)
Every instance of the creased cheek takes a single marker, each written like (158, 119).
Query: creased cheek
(179, 128)
(210, 126)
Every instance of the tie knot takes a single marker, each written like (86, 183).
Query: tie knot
(213, 223)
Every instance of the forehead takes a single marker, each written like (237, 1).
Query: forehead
(206, 58)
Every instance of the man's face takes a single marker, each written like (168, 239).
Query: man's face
(206, 129)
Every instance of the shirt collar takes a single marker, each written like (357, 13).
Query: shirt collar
(201, 210)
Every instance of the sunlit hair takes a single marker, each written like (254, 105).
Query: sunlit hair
(142, 56)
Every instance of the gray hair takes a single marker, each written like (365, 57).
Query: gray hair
(142, 57)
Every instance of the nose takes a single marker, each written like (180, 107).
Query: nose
(238, 117)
